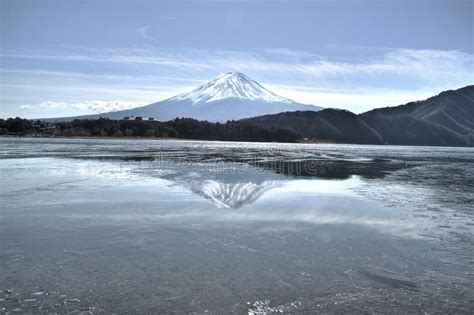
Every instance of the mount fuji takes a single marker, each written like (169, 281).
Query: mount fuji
(230, 96)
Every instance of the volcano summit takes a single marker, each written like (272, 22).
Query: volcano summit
(230, 96)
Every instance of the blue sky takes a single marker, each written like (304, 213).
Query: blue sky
(62, 58)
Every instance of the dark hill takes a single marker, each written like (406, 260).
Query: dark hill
(329, 124)
(446, 119)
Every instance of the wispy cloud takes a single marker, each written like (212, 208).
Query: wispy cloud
(94, 106)
(147, 94)
(291, 53)
(83, 75)
(168, 17)
(375, 78)
(429, 65)
(143, 32)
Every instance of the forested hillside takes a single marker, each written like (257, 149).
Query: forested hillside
(184, 128)
(445, 120)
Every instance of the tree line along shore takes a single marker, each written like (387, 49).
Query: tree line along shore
(179, 128)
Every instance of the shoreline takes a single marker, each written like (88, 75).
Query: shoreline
(186, 139)
(148, 138)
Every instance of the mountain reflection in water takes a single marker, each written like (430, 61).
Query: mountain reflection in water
(227, 185)
(234, 195)
(129, 226)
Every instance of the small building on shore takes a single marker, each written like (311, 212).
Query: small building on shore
(138, 118)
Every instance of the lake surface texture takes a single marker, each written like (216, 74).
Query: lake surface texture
(134, 227)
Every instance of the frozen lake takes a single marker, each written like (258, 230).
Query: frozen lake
(130, 226)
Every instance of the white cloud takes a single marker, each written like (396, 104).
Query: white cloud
(26, 106)
(143, 31)
(373, 78)
(95, 106)
(427, 65)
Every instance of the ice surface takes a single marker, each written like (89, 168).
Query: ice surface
(130, 226)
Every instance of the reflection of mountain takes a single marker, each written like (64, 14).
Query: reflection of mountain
(246, 178)
(233, 195)
(227, 185)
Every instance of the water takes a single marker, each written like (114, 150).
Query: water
(128, 226)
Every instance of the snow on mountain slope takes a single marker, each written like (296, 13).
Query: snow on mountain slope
(231, 84)
(231, 96)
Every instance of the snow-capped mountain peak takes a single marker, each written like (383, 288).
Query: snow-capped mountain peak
(230, 96)
(231, 85)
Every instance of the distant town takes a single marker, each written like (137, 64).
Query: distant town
(138, 118)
